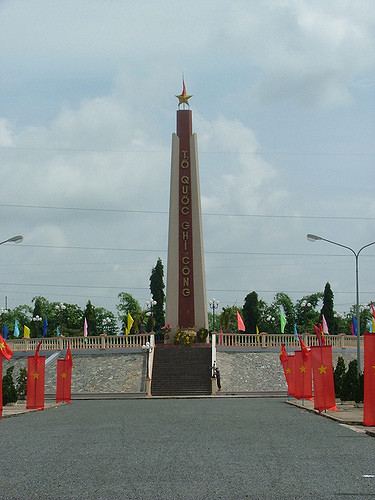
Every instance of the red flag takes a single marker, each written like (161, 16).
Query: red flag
(369, 380)
(1, 387)
(304, 349)
(37, 355)
(288, 367)
(302, 375)
(240, 323)
(324, 386)
(318, 334)
(68, 357)
(35, 381)
(5, 351)
(64, 381)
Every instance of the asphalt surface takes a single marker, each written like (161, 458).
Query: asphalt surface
(183, 449)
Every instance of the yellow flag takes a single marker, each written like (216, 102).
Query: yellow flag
(257, 332)
(129, 324)
(373, 325)
(26, 332)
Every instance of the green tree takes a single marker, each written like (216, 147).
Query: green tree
(127, 304)
(22, 383)
(157, 291)
(228, 318)
(90, 316)
(327, 309)
(251, 314)
(106, 321)
(306, 312)
(22, 313)
(284, 304)
(352, 387)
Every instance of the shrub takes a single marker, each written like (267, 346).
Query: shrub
(338, 376)
(9, 389)
(352, 387)
(202, 335)
(184, 338)
(22, 383)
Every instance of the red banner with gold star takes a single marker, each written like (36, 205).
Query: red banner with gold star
(1, 387)
(369, 380)
(35, 382)
(302, 376)
(288, 367)
(324, 386)
(64, 381)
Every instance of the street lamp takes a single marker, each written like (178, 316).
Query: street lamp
(60, 308)
(106, 322)
(150, 304)
(313, 237)
(214, 304)
(14, 239)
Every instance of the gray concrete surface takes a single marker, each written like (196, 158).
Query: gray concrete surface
(222, 448)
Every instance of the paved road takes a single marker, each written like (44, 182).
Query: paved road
(183, 449)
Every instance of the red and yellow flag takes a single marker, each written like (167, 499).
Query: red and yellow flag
(64, 378)
(288, 367)
(324, 386)
(302, 375)
(35, 381)
(5, 351)
(369, 380)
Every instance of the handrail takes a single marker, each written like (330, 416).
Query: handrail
(80, 343)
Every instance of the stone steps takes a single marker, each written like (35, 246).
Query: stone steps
(181, 371)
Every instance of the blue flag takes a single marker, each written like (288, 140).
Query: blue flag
(16, 332)
(354, 326)
(295, 332)
(58, 332)
(45, 326)
(5, 332)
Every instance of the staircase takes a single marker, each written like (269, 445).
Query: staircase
(181, 371)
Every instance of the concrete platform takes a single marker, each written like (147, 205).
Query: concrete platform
(19, 408)
(348, 413)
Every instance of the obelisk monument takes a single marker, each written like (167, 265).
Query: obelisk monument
(186, 306)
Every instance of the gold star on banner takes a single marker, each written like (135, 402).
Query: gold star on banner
(288, 370)
(303, 368)
(374, 369)
(2, 345)
(63, 375)
(184, 97)
(322, 369)
(36, 375)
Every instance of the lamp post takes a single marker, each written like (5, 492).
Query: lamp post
(14, 239)
(214, 304)
(150, 304)
(37, 321)
(60, 308)
(106, 322)
(313, 237)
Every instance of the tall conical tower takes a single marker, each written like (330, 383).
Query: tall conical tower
(186, 285)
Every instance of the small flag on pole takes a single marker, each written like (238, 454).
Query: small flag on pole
(58, 332)
(129, 324)
(16, 332)
(325, 326)
(45, 326)
(282, 322)
(26, 332)
(354, 326)
(5, 332)
(85, 328)
(240, 323)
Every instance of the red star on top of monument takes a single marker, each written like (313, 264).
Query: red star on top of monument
(184, 97)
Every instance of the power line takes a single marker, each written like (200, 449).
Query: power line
(165, 212)
(273, 254)
(153, 151)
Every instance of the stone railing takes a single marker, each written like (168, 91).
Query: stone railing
(75, 343)
(275, 340)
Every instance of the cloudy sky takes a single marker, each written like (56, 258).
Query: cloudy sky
(283, 105)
